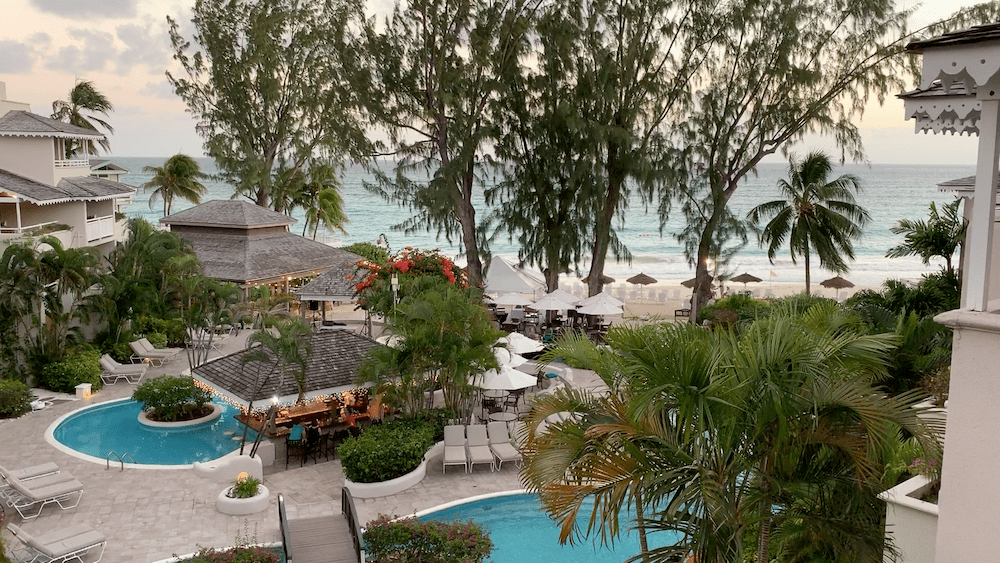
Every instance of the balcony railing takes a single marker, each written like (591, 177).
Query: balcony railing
(24, 228)
(72, 163)
(100, 227)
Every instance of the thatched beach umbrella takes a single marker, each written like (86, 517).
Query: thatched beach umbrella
(605, 280)
(690, 283)
(837, 283)
(746, 278)
(642, 279)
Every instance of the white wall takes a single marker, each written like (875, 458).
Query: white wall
(31, 157)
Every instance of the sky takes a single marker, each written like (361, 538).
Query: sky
(123, 47)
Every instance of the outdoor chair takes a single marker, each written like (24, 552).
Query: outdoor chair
(113, 371)
(295, 445)
(70, 543)
(512, 399)
(477, 444)
(454, 447)
(501, 446)
(24, 474)
(149, 347)
(59, 488)
(140, 352)
(315, 444)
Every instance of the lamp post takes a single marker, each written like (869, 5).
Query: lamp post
(394, 284)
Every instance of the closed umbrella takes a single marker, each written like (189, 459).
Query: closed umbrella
(600, 309)
(602, 297)
(513, 299)
(641, 279)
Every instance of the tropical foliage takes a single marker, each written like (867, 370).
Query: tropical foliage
(375, 286)
(401, 540)
(177, 178)
(815, 215)
(765, 444)
(83, 366)
(941, 234)
(289, 345)
(15, 398)
(171, 398)
(386, 451)
(84, 97)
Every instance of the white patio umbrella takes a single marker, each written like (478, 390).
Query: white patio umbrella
(520, 344)
(564, 296)
(507, 358)
(600, 309)
(392, 340)
(513, 299)
(506, 378)
(601, 297)
(550, 303)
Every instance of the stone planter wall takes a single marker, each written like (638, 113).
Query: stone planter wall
(397, 485)
(216, 413)
(911, 522)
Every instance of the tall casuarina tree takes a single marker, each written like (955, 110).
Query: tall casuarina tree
(84, 97)
(177, 178)
(815, 215)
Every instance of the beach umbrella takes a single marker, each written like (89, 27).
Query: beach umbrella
(520, 344)
(506, 378)
(513, 299)
(746, 278)
(507, 358)
(605, 280)
(600, 309)
(392, 341)
(602, 297)
(837, 283)
(690, 283)
(550, 303)
(565, 296)
(642, 279)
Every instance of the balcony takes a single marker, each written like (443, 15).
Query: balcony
(72, 163)
(100, 228)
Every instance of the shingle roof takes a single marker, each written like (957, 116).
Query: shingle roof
(334, 284)
(976, 34)
(24, 123)
(96, 163)
(333, 366)
(937, 90)
(68, 189)
(243, 259)
(228, 213)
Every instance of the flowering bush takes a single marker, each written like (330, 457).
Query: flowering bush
(406, 540)
(374, 285)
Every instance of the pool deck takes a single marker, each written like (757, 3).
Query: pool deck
(148, 515)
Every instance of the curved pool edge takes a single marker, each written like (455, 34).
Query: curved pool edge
(467, 500)
(51, 439)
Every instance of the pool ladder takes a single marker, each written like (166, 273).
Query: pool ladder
(120, 458)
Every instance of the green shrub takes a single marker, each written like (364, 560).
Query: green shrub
(437, 418)
(171, 329)
(120, 351)
(81, 367)
(247, 488)
(369, 251)
(386, 451)
(157, 339)
(733, 309)
(15, 398)
(171, 398)
(255, 554)
(410, 539)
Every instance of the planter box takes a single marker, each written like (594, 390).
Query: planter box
(397, 485)
(911, 522)
(243, 506)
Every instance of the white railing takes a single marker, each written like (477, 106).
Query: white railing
(72, 163)
(100, 227)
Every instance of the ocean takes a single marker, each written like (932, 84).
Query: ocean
(891, 193)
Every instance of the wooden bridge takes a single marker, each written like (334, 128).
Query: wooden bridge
(322, 539)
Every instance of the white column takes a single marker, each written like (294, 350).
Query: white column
(980, 235)
(17, 211)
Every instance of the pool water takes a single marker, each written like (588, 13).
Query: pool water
(114, 426)
(523, 533)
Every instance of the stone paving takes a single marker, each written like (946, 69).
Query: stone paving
(148, 515)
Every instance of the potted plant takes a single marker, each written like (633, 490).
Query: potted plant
(246, 495)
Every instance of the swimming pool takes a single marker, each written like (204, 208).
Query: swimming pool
(523, 533)
(113, 426)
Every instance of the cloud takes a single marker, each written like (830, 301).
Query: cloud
(98, 48)
(143, 46)
(17, 57)
(161, 89)
(105, 9)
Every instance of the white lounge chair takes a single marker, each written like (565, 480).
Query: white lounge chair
(62, 544)
(139, 352)
(454, 447)
(149, 347)
(478, 446)
(501, 446)
(24, 474)
(59, 488)
(113, 371)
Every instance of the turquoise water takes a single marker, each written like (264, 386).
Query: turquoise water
(522, 533)
(114, 426)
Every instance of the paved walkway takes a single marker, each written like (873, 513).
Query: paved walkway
(149, 515)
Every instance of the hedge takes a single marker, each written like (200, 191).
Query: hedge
(172, 398)
(388, 540)
(15, 398)
(63, 376)
(386, 451)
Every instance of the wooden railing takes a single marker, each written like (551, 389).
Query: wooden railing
(351, 513)
(286, 537)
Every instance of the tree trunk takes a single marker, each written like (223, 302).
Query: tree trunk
(602, 230)
(467, 217)
(807, 267)
(764, 535)
(640, 524)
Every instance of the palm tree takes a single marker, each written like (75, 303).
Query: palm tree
(774, 432)
(289, 345)
(321, 199)
(177, 178)
(814, 215)
(940, 235)
(84, 97)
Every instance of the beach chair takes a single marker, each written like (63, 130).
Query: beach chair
(60, 488)
(501, 446)
(477, 444)
(454, 447)
(24, 474)
(150, 348)
(139, 352)
(62, 544)
(113, 371)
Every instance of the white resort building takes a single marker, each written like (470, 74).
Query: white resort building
(47, 190)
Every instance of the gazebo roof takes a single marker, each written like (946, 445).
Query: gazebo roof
(228, 214)
(334, 284)
(333, 367)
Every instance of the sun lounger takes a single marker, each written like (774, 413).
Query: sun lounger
(150, 348)
(139, 352)
(113, 371)
(500, 444)
(477, 445)
(71, 543)
(25, 474)
(454, 447)
(60, 488)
